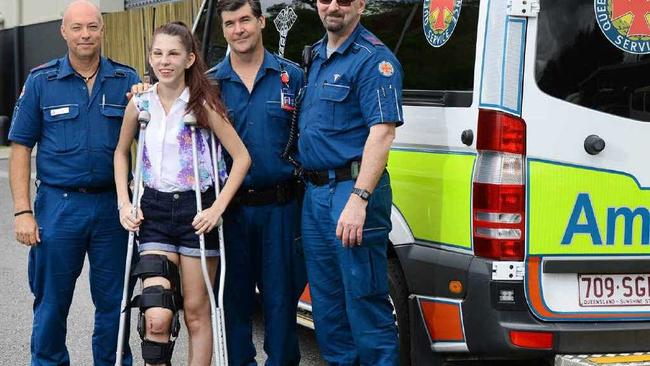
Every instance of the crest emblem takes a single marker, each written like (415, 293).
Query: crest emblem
(386, 69)
(439, 18)
(625, 23)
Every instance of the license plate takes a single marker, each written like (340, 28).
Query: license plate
(614, 290)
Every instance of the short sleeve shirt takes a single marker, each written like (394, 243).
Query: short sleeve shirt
(76, 132)
(259, 118)
(167, 161)
(357, 87)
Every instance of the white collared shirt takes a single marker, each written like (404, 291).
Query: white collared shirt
(167, 155)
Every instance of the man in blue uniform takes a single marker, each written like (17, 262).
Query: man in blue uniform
(347, 123)
(72, 108)
(262, 224)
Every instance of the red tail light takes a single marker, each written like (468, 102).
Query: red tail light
(499, 190)
(533, 340)
(499, 131)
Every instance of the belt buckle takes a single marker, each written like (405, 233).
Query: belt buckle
(82, 190)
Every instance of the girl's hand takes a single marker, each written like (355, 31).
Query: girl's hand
(128, 221)
(206, 220)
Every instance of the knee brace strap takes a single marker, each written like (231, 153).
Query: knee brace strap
(157, 297)
(157, 265)
(157, 352)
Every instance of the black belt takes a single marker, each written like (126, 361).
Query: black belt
(280, 193)
(87, 190)
(321, 177)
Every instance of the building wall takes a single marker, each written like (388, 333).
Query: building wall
(126, 37)
(128, 33)
(28, 12)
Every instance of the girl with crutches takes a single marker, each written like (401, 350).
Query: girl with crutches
(168, 224)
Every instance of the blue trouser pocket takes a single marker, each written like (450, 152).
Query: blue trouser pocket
(367, 265)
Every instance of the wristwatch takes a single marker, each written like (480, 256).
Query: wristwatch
(363, 193)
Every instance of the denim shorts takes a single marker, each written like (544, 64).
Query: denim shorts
(167, 223)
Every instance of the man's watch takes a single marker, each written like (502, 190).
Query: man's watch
(363, 193)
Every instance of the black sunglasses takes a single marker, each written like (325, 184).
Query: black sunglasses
(340, 2)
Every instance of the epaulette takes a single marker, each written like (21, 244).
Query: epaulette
(286, 61)
(121, 70)
(46, 65)
(372, 39)
(315, 46)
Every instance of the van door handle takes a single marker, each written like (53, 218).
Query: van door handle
(467, 137)
(594, 144)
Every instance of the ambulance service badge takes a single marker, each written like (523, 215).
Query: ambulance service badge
(625, 23)
(439, 18)
(386, 69)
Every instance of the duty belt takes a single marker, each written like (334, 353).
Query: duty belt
(87, 190)
(321, 177)
(280, 193)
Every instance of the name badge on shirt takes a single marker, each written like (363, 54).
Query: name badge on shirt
(287, 100)
(59, 111)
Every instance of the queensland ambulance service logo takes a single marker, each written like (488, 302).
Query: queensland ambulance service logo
(439, 18)
(386, 69)
(625, 23)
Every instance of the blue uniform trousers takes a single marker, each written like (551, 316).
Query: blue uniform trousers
(262, 249)
(72, 224)
(349, 286)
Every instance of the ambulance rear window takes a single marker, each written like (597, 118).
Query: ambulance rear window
(577, 61)
(429, 71)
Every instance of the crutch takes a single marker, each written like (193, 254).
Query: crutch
(190, 121)
(143, 119)
(222, 354)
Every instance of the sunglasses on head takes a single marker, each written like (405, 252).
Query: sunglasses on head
(340, 2)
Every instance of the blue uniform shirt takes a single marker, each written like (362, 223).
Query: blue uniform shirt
(76, 133)
(258, 117)
(360, 85)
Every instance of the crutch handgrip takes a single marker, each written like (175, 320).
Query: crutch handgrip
(144, 117)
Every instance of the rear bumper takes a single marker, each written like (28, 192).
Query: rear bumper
(486, 322)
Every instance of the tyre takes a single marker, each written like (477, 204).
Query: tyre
(399, 294)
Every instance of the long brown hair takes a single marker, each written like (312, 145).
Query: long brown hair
(201, 91)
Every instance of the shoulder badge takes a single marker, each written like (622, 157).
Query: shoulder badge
(386, 69)
(625, 24)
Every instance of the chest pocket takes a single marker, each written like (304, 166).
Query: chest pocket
(334, 97)
(62, 129)
(279, 121)
(111, 124)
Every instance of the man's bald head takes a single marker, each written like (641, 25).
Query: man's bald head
(83, 29)
(84, 6)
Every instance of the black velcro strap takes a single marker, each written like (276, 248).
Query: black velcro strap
(155, 353)
(157, 265)
(157, 297)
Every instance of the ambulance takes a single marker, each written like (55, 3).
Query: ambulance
(521, 181)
